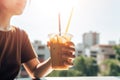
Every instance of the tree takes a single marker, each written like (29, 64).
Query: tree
(65, 73)
(83, 66)
(69, 73)
(117, 50)
(112, 68)
(87, 66)
(54, 74)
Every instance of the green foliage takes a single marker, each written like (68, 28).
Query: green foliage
(79, 63)
(112, 68)
(70, 72)
(117, 50)
(54, 74)
(87, 66)
(83, 66)
(65, 73)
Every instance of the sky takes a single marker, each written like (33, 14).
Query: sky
(40, 18)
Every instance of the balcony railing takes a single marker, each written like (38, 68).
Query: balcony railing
(76, 78)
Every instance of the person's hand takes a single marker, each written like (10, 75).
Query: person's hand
(68, 55)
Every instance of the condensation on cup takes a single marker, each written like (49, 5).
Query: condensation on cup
(56, 42)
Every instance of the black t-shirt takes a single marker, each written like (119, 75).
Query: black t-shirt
(15, 49)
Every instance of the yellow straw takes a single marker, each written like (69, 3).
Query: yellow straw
(68, 24)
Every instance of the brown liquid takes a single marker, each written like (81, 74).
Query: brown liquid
(56, 57)
(56, 54)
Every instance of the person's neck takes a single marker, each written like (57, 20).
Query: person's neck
(4, 21)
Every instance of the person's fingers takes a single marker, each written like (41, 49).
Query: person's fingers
(68, 56)
(70, 44)
(68, 59)
(67, 63)
(68, 49)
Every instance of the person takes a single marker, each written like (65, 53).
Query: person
(16, 49)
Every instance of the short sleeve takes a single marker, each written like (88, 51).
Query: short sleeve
(27, 51)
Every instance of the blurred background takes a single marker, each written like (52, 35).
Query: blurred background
(95, 28)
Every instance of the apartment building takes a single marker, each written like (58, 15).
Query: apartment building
(90, 39)
(79, 49)
(41, 50)
(102, 53)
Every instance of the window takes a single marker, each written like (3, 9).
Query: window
(41, 47)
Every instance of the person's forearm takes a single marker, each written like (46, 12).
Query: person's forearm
(43, 69)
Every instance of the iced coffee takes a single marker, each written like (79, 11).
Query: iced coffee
(56, 42)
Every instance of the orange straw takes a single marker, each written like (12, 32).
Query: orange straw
(68, 24)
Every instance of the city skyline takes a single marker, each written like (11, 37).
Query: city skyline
(41, 18)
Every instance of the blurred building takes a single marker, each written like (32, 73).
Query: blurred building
(41, 50)
(112, 43)
(102, 53)
(90, 39)
(79, 49)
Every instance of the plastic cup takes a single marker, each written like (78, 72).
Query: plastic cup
(56, 43)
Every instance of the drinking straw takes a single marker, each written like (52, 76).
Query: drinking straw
(59, 22)
(68, 24)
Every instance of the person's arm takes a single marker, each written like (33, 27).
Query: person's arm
(29, 59)
(36, 69)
